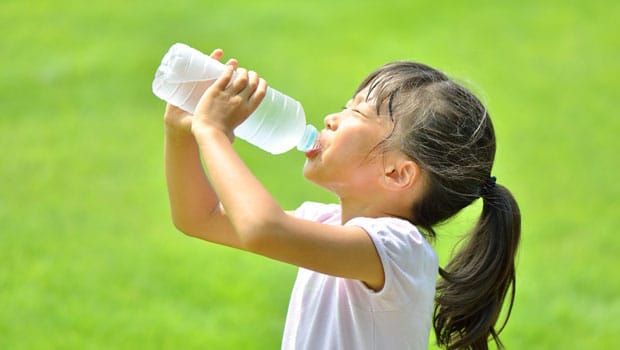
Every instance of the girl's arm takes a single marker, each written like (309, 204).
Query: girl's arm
(194, 206)
(259, 223)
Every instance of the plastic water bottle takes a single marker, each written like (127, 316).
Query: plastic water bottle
(276, 126)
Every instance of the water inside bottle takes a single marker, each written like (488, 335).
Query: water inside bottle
(276, 126)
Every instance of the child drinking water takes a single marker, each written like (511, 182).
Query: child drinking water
(409, 150)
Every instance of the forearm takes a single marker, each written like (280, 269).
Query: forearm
(249, 206)
(191, 197)
(262, 227)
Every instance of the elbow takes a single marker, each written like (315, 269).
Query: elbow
(185, 226)
(182, 227)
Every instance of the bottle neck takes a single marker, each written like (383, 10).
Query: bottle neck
(309, 138)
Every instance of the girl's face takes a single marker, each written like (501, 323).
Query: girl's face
(348, 156)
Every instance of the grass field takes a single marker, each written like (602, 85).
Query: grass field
(89, 258)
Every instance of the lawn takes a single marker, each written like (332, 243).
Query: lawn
(89, 258)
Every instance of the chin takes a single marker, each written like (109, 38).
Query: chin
(311, 173)
(307, 171)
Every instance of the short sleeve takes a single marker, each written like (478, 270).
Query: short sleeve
(318, 212)
(409, 263)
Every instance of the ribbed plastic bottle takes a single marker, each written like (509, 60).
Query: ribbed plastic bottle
(276, 126)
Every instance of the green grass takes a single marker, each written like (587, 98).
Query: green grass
(89, 258)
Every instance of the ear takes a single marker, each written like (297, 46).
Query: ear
(401, 174)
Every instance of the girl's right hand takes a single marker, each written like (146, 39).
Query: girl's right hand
(180, 121)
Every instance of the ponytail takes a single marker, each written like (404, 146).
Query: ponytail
(476, 281)
(448, 132)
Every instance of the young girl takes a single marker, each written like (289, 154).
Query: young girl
(409, 150)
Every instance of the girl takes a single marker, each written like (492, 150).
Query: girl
(410, 149)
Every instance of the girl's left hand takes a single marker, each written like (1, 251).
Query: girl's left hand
(228, 101)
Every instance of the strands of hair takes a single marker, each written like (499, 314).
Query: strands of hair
(448, 132)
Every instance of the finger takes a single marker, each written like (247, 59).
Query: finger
(233, 62)
(240, 82)
(222, 82)
(253, 81)
(217, 54)
(259, 93)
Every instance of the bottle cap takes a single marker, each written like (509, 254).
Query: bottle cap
(308, 139)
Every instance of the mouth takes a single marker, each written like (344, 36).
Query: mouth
(315, 150)
(311, 154)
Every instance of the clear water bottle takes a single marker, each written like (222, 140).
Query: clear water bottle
(276, 126)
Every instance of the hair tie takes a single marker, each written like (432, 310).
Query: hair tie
(488, 186)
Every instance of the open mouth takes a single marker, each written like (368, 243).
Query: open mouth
(315, 150)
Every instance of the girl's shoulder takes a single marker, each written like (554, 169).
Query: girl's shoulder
(390, 229)
(319, 212)
(397, 239)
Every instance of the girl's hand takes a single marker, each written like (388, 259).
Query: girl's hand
(180, 121)
(228, 102)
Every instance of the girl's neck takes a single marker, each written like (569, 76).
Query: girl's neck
(352, 209)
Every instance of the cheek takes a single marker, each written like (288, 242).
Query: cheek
(323, 170)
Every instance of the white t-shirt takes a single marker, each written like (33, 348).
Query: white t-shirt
(327, 312)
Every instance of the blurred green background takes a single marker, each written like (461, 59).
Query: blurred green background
(89, 258)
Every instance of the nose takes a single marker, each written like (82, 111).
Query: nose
(331, 122)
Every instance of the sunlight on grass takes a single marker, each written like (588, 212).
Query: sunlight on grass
(90, 258)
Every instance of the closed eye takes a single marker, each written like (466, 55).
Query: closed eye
(360, 113)
(355, 111)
